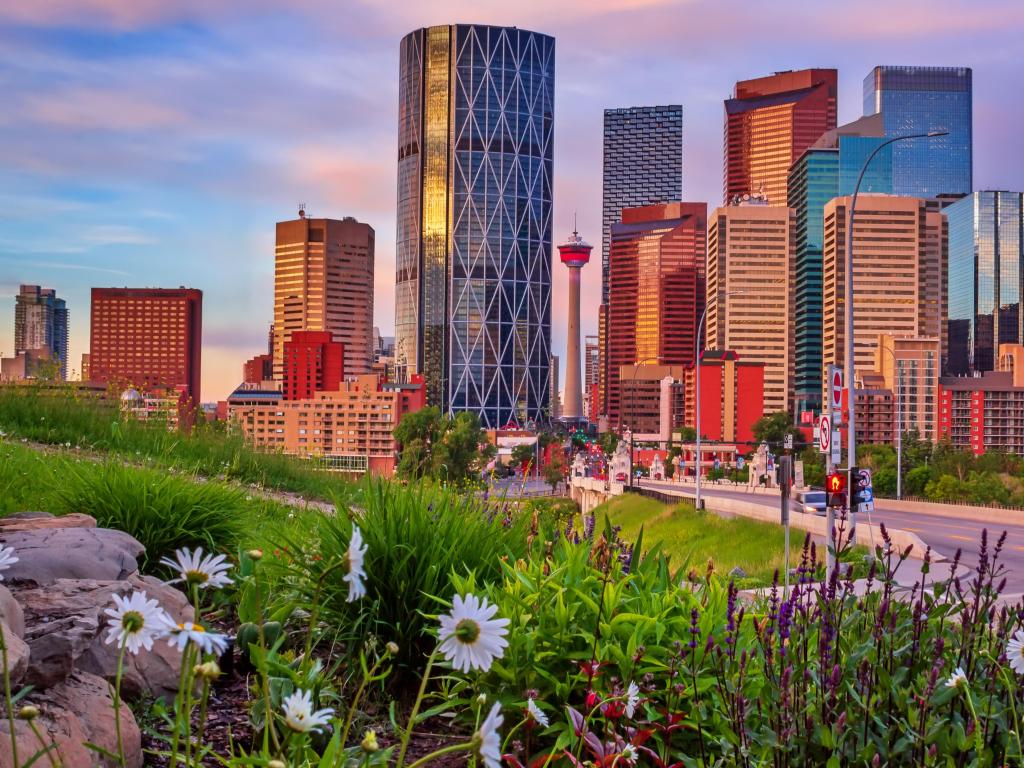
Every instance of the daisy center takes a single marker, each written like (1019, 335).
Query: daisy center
(196, 577)
(467, 631)
(132, 621)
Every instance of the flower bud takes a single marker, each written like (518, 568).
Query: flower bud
(28, 712)
(369, 742)
(392, 648)
(255, 554)
(277, 764)
(208, 671)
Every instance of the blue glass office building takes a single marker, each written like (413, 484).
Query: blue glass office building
(473, 248)
(919, 100)
(828, 169)
(986, 268)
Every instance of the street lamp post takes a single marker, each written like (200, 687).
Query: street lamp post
(696, 376)
(851, 450)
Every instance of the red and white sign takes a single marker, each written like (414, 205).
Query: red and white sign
(824, 434)
(835, 387)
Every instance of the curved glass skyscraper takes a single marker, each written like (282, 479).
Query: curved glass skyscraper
(473, 251)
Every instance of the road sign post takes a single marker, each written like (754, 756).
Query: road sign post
(785, 478)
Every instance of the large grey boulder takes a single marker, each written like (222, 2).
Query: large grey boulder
(47, 554)
(78, 710)
(39, 521)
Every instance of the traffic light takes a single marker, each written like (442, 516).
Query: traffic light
(835, 486)
(861, 493)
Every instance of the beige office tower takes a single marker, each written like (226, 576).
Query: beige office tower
(750, 291)
(323, 281)
(900, 247)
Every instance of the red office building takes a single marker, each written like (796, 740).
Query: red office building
(655, 291)
(148, 338)
(313, 362)
(769, 122)
(731, 397)
(258, 369)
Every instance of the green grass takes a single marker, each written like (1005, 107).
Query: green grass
(162, 511)
(63, 417)
(690, 538)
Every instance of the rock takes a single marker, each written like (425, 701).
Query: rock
(66, 629)
(78, 710)
(46, 555)
(11, 613)
(153, 673)
(17, 654)
(737, 573)
(41, 521)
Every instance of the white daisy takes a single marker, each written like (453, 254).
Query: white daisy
(490, 739)
(628, 754)
(194, 569)
(299, 714)
(356, 574)
(136, 622)
(958, 679)
(1015, 652)
(632, 699)
(470, 637)
(537, 714)
(208, 642)
(7, 559)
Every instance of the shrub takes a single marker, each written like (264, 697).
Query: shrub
(417, 538)
(163, 512)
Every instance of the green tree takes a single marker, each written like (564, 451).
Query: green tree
(460, 448)
(687, 434)
(774, 427)
(916, 452)
(417, 434)
(608, 441)
(884, 481)
(916, 480)
(523, 453)
(946, 488)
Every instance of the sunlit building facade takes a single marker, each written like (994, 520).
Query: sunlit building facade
(750, 274)
(643, 165)
(901, 248)
(769, 122)
(323, 281)
(919, 100)
(41, 326)
(473, 251)
(828, 169)
(986, 267)
(656, 292)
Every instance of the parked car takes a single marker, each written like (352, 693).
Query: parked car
(620, 477)
(810, 502)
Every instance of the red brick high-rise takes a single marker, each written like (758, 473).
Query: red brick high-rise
(258, 369)
(149, 338)
(656, 288)
(313, 362)
(769, 122)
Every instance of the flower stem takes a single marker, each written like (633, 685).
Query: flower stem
(49, 749)
(465, 746)
(117, 702)
(415, 711)
(203, 702)
(179, 702)
(8, 700)
(355, 701)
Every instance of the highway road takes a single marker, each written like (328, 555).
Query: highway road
(943, 533)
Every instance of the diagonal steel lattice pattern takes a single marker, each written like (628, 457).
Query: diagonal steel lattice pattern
(473, 282)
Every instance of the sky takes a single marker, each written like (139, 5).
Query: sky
(156, 142)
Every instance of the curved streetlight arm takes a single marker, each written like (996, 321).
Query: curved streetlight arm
(848, 279)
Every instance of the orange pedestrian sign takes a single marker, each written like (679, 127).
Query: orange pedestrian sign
(836, 482)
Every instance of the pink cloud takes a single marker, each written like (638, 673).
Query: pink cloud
(87, 107)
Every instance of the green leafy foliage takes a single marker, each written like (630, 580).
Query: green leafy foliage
(433, 446)
(417, 538)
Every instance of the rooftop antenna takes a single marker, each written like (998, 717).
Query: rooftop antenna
(574, 230)
(302, 210)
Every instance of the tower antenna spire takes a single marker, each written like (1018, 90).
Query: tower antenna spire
(574, 230)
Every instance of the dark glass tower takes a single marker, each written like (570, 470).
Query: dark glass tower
(828, 169)
(473, 251)
(919, 100)
(986, 267)
(41, 323)
(643, 165)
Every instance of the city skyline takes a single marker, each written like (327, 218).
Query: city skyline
(227, 131)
